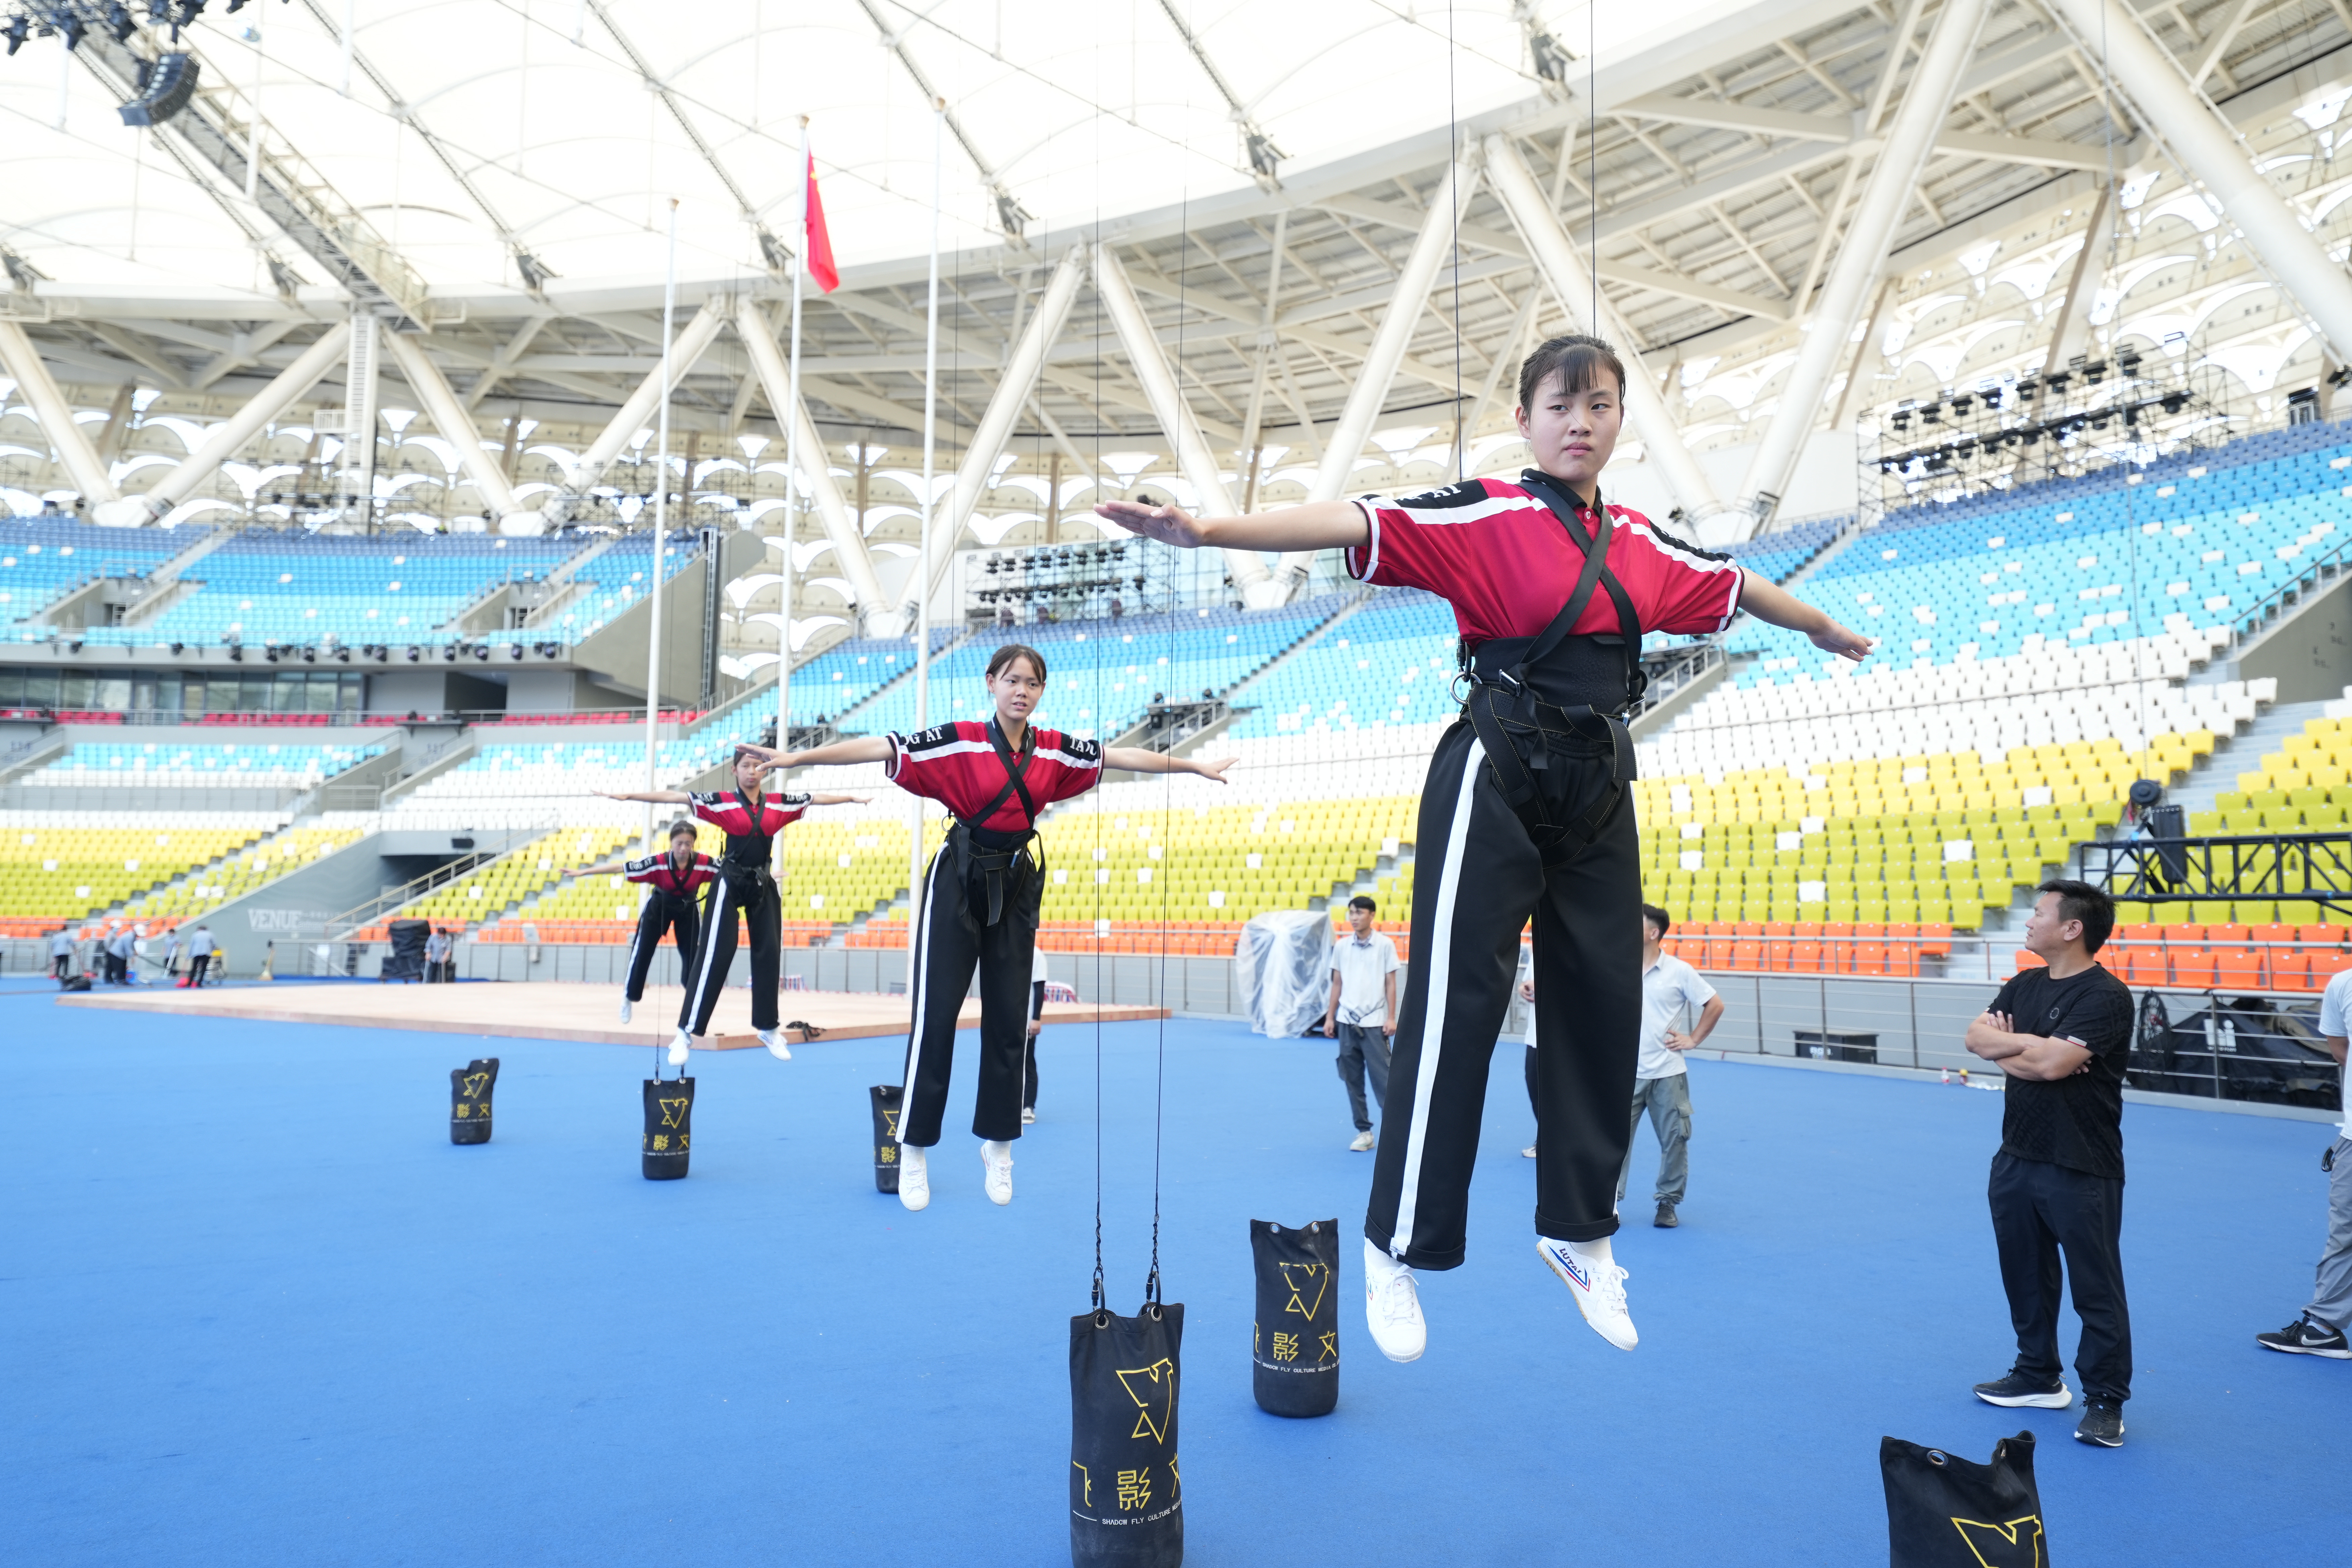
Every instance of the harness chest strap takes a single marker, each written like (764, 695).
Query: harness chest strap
(995, 865)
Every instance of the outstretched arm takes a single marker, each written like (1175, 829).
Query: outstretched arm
(1135, 759)
(1317, 525)
(839, 799)
(1775, 605)
(657, 796)
(857, 749)
(607, 869)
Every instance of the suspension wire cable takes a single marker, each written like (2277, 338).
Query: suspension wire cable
(1453, 162)
(1094, 711)
(2113, 242)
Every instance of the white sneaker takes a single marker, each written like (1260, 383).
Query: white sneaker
(1364, 1142)
(624, 1009)
(1529, 1153)
(680, 1047)
(1598, 1286)
(1028, 1116)
(1392, 1307)
(775, 1040)
(914, 1178)
(998, 1169)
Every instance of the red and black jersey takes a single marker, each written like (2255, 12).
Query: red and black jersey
(1496, 554)
(956, 765)
(749, 833)
(659, 871)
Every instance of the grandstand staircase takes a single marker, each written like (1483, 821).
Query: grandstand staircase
(168, 584)
(2218, 774)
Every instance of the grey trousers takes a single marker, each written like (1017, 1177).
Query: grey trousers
(1667, 1099)
(1363, 1052)
(2331, 1301)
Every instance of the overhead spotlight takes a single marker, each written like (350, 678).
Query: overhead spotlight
(514, 650)
(310, 655)
(177, 646)
(482, 652)
(236, 653)
(1264, 155)
(73, 648)
(1549, 58)
(269, 652)
(19, 27)
(449, 653)
(413, 653)
(165, 92)
(119, 23)
(535, 272)
(74, 29)
(342, 656)
(550, 651)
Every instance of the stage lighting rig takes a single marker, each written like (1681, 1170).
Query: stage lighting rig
(166, 90)
(18, 27)
(413, 653)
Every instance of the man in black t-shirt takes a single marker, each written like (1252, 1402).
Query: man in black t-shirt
(2061, 1033)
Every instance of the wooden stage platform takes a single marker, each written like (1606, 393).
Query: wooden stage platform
(550, 1011)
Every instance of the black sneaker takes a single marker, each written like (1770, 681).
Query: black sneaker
(1667, 1219)
(2101, 1423)
(2016, 1389)
(2308, 1336)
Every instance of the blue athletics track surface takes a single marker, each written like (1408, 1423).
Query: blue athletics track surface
(259, 1310)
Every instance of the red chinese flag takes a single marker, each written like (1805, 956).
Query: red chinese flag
(819, 244)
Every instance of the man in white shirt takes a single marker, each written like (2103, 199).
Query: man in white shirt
(2320, 1330)
(1361, 1014)
(1679, 1009)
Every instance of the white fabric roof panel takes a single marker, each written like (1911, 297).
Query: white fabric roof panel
(1086, 112)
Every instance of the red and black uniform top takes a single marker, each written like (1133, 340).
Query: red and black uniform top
(750, 823)
(957, 765)
(1497, 553)
(660, 873)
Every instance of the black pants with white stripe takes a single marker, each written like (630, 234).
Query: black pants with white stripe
(1478, 878)
(662, 912)
(950, 943)
(763, 913)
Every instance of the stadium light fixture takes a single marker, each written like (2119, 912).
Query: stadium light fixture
(19, 27)
(413, 653)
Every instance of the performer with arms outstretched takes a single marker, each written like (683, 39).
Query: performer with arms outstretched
(980, 899)
(1527, 800)
(671, 881)
(751, 819)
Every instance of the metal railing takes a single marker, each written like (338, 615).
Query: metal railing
(2270, 606)
(1672, 669)
(339, 927)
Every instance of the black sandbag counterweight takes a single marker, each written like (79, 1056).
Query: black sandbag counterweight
(669, 1127)
(1127, 1496)
(1944, 1512)
(1295, 1353)
(889, 1099)
(469, 1100)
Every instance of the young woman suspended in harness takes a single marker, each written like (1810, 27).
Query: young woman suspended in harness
(1527, 801)
(980, 898)
(674, 878)
(750, 817)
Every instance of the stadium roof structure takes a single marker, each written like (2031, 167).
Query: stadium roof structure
(1196, 225)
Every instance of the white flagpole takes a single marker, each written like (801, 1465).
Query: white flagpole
(661, 537)
(793, 457)
(923, 555)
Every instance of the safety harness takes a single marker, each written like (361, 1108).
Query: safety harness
(1521, 731)
(989, 856)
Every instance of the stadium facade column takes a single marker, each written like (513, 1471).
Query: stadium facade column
(457, 428)
(82, 463)
(1824, 335)
(1390, 340)
(1555, 255)
(758, 338)
(2207, 148)
(1195, 460)
(2073, 329)
(689, 346)
(222, 441)
(1013, 385)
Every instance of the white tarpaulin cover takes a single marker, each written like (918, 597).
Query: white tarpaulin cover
(1285, 960)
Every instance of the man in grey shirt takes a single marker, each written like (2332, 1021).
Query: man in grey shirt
(2320, 1329)
(1361, 1013)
